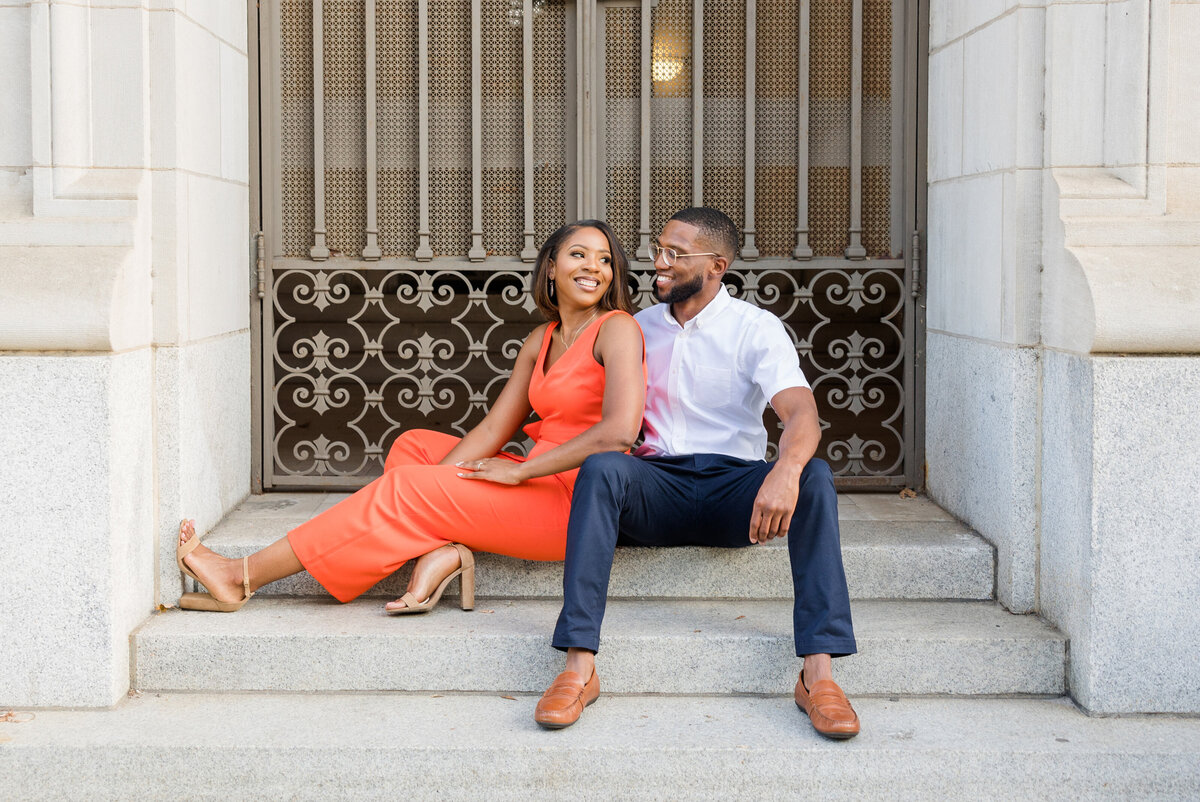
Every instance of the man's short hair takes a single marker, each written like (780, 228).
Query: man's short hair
(715, 227)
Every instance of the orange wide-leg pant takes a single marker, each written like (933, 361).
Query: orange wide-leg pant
(417, 506)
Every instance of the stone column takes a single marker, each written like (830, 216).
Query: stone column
(1064, 324)
(1120, 482)
(123, 323)
(982, 368)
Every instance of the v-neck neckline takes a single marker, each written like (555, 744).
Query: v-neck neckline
(545, 369)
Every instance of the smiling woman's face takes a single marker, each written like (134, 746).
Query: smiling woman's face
(582, 269)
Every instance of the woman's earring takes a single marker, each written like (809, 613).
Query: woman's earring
(551, 288)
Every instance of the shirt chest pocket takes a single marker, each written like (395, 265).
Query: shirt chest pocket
(714, 386)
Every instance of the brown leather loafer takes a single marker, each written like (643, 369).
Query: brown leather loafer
(563, 702)
(828, 709)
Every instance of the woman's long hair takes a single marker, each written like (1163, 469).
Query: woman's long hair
(617, 295)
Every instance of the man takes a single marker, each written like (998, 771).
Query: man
(713, 364)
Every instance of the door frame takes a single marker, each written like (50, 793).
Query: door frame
(264, 234)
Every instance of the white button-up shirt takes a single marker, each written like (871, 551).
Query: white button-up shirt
(711, 379)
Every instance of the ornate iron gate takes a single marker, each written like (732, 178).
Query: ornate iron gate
(415, 153)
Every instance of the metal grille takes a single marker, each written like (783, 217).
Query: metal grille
(671, 119)
(549, 122)
(829, 129)
(356, 350)
(345, 128)
(725, 108)
(396, 65)
(848, 328)
(364, 352)
(296, 125)
(622, 118)
(775, 128)
(449, 127)
(503, 172)
(877, 127)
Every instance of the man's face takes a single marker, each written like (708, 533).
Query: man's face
(686, 277)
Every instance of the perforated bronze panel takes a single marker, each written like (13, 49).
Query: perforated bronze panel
(450, 127)
(775, 128)
(396, 109)
(296, 126)
(671, 113)
(622, 120)
(503, 142)
(829, 128)
(725, 108)
(549, 120)
(345, 128)
(877, 127)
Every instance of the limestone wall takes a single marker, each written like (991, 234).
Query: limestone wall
(1064, 323)
(124, 322)
(985, 176)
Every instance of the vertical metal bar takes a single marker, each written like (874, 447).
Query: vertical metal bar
(698, 103)
(582, 99)
(916, 111)
(528, 252)
(571, 87)
(599, 145)
(749, 249)
(424, 253)
(855, 250)
(588, 118)
(643, 249)
(263, 91)
(319, 251)
(803, 249)
(371, 251)
(477, 252)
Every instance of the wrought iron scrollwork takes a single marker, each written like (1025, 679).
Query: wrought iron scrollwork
(361, 353)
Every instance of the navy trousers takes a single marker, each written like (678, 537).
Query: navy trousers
(699, 500)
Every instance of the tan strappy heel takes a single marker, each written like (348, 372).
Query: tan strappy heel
(466, 569)
(206, 601)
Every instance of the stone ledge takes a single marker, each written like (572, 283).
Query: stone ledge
(893, 548)
(73, 299)
(373, 746)
(1132, 299)
(883, 559)
(957, 648)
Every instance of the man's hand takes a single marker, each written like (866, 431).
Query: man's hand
(776, 501)
(492, 469)
(774, 505)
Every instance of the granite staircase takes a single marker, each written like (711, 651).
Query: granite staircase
(297, 696)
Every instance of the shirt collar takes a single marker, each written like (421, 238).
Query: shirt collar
(714, 307)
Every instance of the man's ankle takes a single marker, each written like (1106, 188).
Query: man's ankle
(581, 661)
(816, 667)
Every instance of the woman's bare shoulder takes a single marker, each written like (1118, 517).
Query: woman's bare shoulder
(621, 325)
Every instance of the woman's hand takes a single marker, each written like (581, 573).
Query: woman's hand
(492, 469)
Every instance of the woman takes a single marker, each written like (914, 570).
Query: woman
(440, 496)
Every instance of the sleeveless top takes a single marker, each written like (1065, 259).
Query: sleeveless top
(569, 397)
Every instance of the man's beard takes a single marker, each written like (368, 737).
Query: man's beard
(680, 291)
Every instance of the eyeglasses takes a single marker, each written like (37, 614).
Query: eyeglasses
(670, 255)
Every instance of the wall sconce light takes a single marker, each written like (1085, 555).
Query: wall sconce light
(515, 11)
(666, 57)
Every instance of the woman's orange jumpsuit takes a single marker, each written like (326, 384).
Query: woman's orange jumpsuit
(418, 505)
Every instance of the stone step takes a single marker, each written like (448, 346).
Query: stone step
(908, 549)
(469, 747)
(673, 647)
